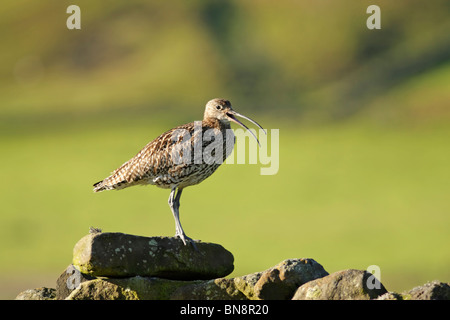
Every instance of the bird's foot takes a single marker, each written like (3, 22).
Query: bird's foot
(185, 238)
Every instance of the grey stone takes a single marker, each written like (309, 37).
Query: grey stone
(69, 280)
(133, 288)
(100, 289)
(246, 285)
(217, 289)
(281, 281)
(37, 294)
(393, 296)
(342, 285)
(434, 290)
(124, 255)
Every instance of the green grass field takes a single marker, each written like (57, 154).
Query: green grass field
(347, 195)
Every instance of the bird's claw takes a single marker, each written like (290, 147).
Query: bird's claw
(185, 238)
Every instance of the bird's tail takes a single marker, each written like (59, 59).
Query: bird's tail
(99, 186)
(110, 183)
(118, 179)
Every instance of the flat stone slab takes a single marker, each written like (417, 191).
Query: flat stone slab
(113, 254)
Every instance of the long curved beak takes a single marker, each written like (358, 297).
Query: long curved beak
(231, 115)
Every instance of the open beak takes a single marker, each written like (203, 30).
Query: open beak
(231, 115)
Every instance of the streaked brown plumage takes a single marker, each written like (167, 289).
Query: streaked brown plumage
(158, 163)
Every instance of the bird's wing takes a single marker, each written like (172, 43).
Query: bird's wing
(155, 159)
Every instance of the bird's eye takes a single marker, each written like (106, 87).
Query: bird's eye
(219, 107)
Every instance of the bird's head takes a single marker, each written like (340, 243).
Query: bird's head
(221, 110)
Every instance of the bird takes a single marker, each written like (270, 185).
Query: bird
(181, 157)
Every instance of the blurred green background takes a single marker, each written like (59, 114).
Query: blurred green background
(363, 118)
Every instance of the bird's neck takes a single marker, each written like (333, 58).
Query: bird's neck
(214, 123)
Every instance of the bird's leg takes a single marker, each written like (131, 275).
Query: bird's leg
(179, 229)
(174, 211)
(174, 203)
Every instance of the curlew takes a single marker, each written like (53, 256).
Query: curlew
(181, 157)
